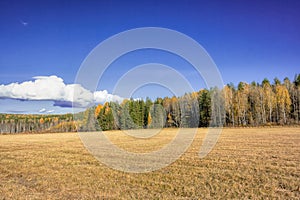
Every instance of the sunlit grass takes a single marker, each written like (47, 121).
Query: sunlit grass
(256, 163)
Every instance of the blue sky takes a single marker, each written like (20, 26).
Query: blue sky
(248, 41)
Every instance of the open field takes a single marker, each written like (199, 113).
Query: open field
(246, 163)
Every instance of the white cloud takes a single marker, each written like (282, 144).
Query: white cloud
(54, 89)
(102, 96)
(42, 110)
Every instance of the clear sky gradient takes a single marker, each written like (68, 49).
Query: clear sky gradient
(248, 40)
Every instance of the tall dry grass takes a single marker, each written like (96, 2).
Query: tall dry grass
(249, 163)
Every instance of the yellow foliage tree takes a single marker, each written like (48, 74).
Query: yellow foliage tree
(283, 101)
(149, 120)
(97, 110)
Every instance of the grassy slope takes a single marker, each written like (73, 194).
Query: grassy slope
(246, 163)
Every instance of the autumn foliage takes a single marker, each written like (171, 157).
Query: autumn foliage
(255, 104)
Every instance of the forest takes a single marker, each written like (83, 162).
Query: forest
(254, 104)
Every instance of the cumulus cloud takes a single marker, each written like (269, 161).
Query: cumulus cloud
(103, 96)
(54, 89)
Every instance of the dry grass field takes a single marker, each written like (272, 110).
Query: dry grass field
(246, 163)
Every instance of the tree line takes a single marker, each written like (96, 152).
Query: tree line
(30, 123)
(254, 104)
